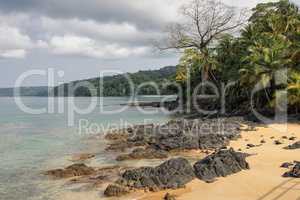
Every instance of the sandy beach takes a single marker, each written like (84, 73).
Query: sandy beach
(263, 181)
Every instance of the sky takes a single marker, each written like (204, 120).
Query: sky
(82, 38)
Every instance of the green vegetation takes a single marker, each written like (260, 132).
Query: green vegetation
(118, 85)
(268, 45)
(41, 91)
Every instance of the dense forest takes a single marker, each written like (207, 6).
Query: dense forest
(40, 91)
(264, 53)
(118, 85)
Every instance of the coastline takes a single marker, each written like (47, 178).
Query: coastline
(262, 181)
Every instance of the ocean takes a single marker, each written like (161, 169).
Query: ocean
(33, 143)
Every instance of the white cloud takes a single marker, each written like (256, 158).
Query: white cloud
(84, 46)
(110, 31)
(13, 44)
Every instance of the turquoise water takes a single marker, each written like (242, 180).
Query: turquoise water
(29, 142)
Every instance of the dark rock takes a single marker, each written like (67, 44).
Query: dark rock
(172, 174)
(292, 138)
(278, 142)
(284, 137)
(176, 143)
(113, 136)
(141, 153)
(296, 145)
(220, 164)
(213, 141)
(286, 165)
(250, 145)
(115, 191)
(168, 196)
(295, 172)
(71, 171)
(263, 141)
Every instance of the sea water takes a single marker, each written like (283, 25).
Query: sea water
(32, 143)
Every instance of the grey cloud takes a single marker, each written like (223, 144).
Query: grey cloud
(102, 10)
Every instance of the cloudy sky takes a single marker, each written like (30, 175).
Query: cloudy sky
(82, 38)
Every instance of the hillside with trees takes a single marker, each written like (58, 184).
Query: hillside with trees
(118, 85)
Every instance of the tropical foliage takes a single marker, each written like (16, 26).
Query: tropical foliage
(266, 49)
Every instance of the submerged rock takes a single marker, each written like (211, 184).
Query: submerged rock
(172, 174)
(220, 164)
(141, 153)
(295, 172)
(71, 171)
(296, 145)
(82, 157)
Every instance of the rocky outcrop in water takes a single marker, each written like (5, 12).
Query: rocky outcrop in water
(71, 171)
(220, 164)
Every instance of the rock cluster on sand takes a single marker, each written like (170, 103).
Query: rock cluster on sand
(176, 173)
(143, 153)
(294, 172)
(178, 135)
(296, 145)
(220, 164)
(172, 174)
(71, 171)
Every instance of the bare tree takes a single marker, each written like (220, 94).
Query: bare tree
(204, 22)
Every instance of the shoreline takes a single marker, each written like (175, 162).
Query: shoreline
(261, 161)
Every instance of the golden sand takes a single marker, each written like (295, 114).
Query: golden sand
(263, 181)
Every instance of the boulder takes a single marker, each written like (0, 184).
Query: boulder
(296, 145)
(176, 143)
(220, 164)
(295, 172)
(141, 153)
(71, 171)
(172, 174)
(213, 141)
(115, 191)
